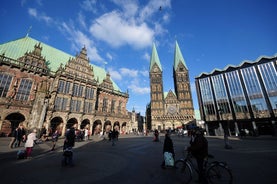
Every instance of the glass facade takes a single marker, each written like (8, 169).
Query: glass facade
(221, 97)
(269, 77)
(242, 97)
(207, 99)
(237, 95)
(254, 92)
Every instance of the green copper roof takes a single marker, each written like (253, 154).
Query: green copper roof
(178, 57)
(155, 58)
(54, 57)
(17, 48)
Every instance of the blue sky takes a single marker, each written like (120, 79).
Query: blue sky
(119, 34)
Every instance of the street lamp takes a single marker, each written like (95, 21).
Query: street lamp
(225, 131)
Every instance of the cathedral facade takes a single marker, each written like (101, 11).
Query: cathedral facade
(41, 86)
(172, 109)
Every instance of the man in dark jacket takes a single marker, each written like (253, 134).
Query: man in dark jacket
(69, 142)
(70, 138)
(21, 135)
(199, 149)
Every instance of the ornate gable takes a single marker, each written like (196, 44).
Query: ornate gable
(107, 82)
(34, 61)
(80, 67)
(170, 98)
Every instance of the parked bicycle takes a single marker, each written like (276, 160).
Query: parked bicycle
(215, 171)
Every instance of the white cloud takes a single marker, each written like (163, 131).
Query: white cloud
(146, 56)
(39, 16)
(128, 72)
(139, 90)
(109, 56)
(81, 20)
(135, 79)
(153, 7)
(79, 39)
(144, 73)
(115, 75)
(114, 29)
(130, 7)
(89, 5)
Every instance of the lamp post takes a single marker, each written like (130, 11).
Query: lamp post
(225, 130)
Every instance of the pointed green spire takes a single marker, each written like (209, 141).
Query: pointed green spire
(178, 57)
(155, 58)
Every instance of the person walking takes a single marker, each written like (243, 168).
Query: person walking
(13, 139)
(199, 149)
(21, 135)
(55, 137)
(31, 138)
(86, 134)
(69, 143)
(43, 133)
(156, 136)
(168, 148)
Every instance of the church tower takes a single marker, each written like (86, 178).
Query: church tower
(172, 109)
(182, 83)
(156, 84)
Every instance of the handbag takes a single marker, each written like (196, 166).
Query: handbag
(168, 158)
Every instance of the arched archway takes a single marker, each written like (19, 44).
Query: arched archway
(56, 124)
(107, 126)
(124, 128)
(116, 126)
(71, 122)
(11, 122)
(97, 127)
(85, 124)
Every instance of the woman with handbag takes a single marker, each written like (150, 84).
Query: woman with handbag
(168, 151)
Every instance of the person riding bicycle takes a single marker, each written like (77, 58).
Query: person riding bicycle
(199, 149)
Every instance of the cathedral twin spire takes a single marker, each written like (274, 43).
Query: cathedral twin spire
(178, 58)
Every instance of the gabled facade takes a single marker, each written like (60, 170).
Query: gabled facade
(41, 86)
(174, 108)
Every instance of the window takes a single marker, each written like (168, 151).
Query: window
(75, 106)
(63, 87)
(113, 106)
(269, 77)
(24, 89)
(78, 90)
(75, 89)
(89, 93)
(105, 105)
(254, 89)
(207, 97)
(236, 92)
(88, 107)
(67, 87)
(119, 107)
(5, 82)
(60, 103)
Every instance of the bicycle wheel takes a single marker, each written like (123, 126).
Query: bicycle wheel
(183, 171)
(219, 173)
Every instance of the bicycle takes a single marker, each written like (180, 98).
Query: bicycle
(215, 171)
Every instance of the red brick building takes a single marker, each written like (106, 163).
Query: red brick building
(43, 86)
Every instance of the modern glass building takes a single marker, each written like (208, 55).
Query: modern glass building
(240, 98)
